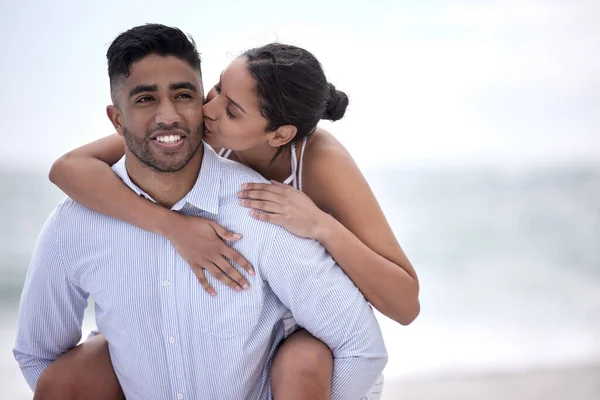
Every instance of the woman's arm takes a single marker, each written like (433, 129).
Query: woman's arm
(357, 234)
(85, 175)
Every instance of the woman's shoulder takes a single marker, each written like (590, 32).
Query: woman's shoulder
(323, 146)
(326, 160)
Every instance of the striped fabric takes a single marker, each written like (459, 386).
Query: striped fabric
(168, 338)
(295, 180)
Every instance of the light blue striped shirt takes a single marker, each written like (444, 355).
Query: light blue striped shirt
(168, 338)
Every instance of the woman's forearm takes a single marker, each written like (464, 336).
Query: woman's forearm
(108, 194)
(386, 285)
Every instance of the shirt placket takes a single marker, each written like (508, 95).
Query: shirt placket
(170, 325)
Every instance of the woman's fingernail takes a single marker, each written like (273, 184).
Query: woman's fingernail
(242, 201)
(237, 236)
(251, 272)
(246, 286)
(240, 193)
(239, 289)
(244, 186)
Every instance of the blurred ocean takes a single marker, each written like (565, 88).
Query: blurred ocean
(509, 262)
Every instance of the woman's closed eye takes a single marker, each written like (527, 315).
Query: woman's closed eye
(228, 112)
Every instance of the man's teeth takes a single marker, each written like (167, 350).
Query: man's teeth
(169, 139)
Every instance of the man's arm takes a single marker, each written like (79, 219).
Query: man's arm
(52, 307)
(326, 303)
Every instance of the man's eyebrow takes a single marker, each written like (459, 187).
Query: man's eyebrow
(183, 85)
(143, 88)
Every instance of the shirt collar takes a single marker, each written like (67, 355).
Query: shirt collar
(204, 195)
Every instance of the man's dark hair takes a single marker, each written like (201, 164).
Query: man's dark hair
(141, 41)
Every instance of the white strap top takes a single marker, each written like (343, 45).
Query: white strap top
(295, 179)
(225, 153)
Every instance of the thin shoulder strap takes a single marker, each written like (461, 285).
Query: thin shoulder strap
(296, 177)
(225, 153)
(301, 162)
(292, 178)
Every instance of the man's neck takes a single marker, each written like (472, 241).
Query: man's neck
(165, 188)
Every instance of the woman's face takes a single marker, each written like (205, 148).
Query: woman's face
(232, 117)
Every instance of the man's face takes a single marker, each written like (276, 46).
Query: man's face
(159, 112)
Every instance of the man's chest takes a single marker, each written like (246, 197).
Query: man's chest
(145, 283)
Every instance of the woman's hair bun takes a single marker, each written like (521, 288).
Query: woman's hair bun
(336, 104)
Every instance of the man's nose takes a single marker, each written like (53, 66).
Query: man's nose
(166, 114)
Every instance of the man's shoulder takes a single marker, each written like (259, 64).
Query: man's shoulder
(233, 171)
(233, 175)
(67, 211)
(74, 216)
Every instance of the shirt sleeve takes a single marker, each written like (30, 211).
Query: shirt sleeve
(51, 309)
(325, 302)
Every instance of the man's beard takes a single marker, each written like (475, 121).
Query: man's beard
(172, 162)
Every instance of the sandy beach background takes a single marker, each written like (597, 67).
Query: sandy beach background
(577, 383)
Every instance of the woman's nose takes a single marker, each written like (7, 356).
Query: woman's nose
(209, 106)
(208, 111)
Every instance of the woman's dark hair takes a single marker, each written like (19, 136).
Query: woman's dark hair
(292, 89)
(141, 41)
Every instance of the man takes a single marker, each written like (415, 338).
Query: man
(168, 338)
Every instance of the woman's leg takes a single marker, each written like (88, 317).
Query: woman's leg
(84, 372)
(302, 369)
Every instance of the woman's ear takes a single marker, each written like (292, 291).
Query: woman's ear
(116, 118)
(282, 136)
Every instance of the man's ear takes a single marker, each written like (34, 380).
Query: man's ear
(282, 136)
(116, 118)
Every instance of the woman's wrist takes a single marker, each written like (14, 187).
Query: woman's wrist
(166, 222)
(325, 228)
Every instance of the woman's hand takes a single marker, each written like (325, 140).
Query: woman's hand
(285, 206)
(200, 242)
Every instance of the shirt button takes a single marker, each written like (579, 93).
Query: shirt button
(179, 396)
(171, 340)
(166, 283)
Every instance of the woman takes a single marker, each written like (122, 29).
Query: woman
(264, 113)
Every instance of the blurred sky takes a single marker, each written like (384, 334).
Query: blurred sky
(503, 82)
